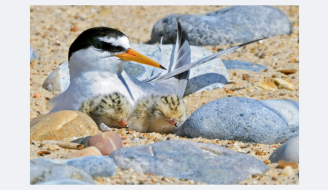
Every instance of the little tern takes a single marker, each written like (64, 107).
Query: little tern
(96, 61)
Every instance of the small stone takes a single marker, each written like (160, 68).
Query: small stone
(289, 151)
(53, 147)
(85, 152)
(283, 84)
(267, 162)
(260, 153)
(245, 77)
(287, 171)
(37, 95)
(74, 29)
(265, 86)
(62, 124)
(288, 71)
(43, 152)
(229, 91)
(106, 142)
(283, 164)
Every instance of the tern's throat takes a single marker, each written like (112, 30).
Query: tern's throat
(93, 60)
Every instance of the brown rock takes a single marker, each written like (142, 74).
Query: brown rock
(288, 71)
(74, 29)
(106, 142)
(283, 84)
(90, 151)
(260, 153)
(229, 91)
(62, 124)
(283, 164)
(43, 152)
(245, 77)
(267, 162)
(265, 86)
(37, 95)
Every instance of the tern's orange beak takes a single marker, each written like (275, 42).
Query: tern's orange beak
(132, 55)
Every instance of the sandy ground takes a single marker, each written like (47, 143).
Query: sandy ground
(53, 29)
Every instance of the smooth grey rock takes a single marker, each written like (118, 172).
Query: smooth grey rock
(204, 162)
(59, 80)
(237, 24)
(32, 55)
(289, 151)
(64, 182)
(42, 170)
(207, 76)
(244, 119)
(94, 165)
(236, 64)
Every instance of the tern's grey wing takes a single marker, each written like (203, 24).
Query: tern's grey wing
(181, 57)
(201, 61)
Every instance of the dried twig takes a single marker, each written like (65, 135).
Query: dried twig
(64, 144)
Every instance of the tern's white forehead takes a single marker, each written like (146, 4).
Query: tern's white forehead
(116, 41)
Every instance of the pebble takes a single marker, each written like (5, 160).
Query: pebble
(207, 76)
(43, 170)
(106, 142)
(62, 124)
(94, 165)
(283, 164)
(210, 163)
(288, 71)
(283, 84)
(287, 171)
(53, 147)
(33, 55)
(235, 24)
(37, 95)
(84, 152)
(289, 151)
(243, 119)
(236, 64)
(265, 85)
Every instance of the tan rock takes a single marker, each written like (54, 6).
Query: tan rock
(287, 171)
(106, 142)
(283, 84)
(288, 71)
(265, 86)
(90, 151)
(62, 124)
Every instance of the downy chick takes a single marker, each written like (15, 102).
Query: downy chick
(157, 113)
(111, 109)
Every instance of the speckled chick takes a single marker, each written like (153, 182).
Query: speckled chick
(111, 109)
(159, 114)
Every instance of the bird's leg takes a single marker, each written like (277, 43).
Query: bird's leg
(103, 128)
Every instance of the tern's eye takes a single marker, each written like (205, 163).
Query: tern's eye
(98, 44)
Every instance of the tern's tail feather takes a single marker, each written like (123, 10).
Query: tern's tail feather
(181, 58)
(201, 61)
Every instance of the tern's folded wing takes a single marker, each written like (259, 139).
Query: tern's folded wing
(201, 61)
(181, 58)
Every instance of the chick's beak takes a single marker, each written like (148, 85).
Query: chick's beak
(122, 122)
(173, 122)
(132, 55)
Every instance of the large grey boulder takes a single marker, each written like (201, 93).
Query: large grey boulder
(244, 119)
(237, 24)
(203, 162)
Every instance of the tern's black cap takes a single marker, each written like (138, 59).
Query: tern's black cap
(90, 37)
